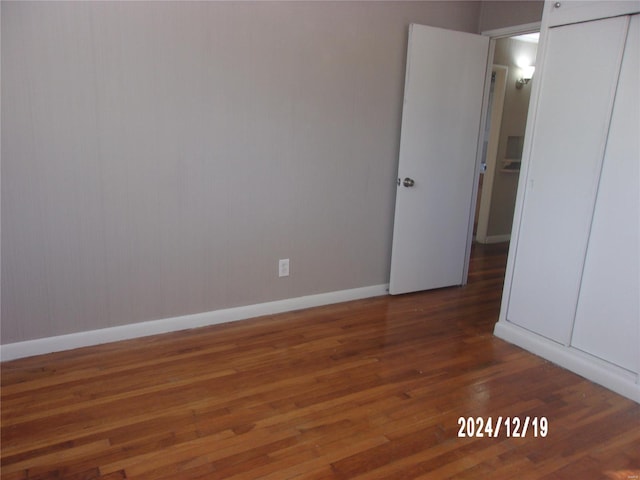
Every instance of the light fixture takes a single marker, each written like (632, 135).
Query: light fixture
(527, 73)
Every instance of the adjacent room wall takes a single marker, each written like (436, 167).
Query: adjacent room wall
(514, 121)
(158, 158)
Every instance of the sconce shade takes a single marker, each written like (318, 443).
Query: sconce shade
(527, 74)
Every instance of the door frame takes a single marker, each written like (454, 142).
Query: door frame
(494, 35)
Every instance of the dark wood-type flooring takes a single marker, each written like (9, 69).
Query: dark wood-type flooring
(369, 389)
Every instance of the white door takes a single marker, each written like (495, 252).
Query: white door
(444, 85)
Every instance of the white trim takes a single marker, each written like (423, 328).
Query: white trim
(154, 327)
(592, 368)
(495, 238)
(514, 30)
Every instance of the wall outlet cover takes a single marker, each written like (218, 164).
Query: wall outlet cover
(283, 267)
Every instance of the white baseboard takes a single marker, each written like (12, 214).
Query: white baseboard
(495, 238)
(598, 371)
(41, 346)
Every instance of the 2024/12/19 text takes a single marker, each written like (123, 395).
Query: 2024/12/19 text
(507, 426)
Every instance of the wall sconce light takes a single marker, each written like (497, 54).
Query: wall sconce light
(527, 74)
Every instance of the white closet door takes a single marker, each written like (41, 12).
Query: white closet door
(610, 329)
(578, 82)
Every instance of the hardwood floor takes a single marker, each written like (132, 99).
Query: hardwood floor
(370, 389)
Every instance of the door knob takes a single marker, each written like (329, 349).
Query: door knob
(408, 182)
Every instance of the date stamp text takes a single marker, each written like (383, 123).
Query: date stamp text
(509, 427)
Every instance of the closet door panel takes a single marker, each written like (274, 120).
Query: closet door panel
(608, 314)
(578, 82)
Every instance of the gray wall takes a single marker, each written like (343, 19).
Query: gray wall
(159, 158)
(514, 121)
(506, 13)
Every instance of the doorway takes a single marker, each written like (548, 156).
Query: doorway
(506, 117)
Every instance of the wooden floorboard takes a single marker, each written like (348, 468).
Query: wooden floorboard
(370, 389)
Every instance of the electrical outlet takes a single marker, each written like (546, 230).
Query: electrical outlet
(283, 267)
